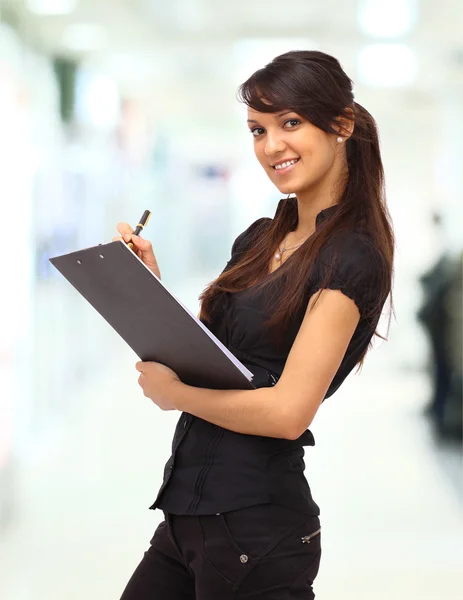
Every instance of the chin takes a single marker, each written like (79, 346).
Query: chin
(291, 186)
(285, 189)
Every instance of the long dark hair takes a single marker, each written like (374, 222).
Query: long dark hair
(314, 85)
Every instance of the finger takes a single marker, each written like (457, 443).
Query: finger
(124, 228)
(140, 366)
(126, 238)
(141, 383)
(142, 244)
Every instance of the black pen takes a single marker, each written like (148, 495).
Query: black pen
(141, 224)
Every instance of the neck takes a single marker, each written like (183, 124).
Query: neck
(318, 197)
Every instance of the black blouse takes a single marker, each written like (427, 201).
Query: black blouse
(212, 469)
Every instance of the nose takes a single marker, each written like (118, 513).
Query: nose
(274, 143)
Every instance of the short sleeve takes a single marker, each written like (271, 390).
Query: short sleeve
(358, 271)
(245, 239)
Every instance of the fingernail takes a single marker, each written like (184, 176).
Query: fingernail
(127, 237)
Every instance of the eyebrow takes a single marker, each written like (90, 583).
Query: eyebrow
(279, 116)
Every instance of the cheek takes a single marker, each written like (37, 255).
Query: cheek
(319, 156)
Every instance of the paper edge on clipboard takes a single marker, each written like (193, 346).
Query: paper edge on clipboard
(246, 372)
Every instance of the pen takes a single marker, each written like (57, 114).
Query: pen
(141, 224)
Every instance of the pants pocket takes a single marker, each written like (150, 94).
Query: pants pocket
(222, 553)
(235, 543)
(289, 569)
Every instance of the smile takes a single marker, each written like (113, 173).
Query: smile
(286, 166)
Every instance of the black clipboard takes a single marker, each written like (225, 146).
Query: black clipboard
(149, 318)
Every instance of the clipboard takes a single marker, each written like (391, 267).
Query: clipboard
(139, 307)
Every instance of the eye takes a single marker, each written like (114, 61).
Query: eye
(294, 122)
(257, 131)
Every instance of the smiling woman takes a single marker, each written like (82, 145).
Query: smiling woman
(301, 108)
(284, 140)
(298, 303)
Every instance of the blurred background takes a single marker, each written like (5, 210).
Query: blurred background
(108, 108)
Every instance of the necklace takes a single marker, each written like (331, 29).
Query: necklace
(279, 254)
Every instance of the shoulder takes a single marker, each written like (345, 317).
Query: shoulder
(245, 239)
(249, 234)
(351, 263)
(351, 248)
(357, 242)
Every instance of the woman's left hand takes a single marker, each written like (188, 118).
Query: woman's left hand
(157, 382)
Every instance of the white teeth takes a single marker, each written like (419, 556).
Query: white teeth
(286, 164)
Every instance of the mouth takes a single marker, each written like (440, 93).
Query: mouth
(285, 167)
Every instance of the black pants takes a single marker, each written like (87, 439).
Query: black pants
(263, 552)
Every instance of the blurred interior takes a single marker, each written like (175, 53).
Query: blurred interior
(108, 108)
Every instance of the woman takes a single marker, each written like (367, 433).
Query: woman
(298, 303)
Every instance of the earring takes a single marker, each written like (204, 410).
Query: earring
(340, 140)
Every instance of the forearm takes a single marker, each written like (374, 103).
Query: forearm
(254, 412)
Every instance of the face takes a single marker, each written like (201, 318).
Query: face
(286, 137)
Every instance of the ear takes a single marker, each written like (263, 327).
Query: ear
(345, 123)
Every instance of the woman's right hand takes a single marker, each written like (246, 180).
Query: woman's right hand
(142, 248)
